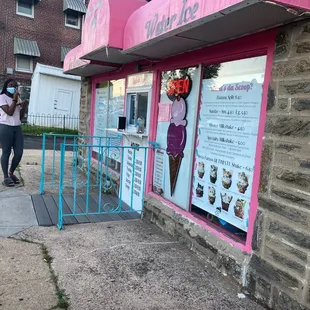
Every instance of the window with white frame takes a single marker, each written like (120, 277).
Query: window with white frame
(73, 19)
(24, 64)
(137, 108)
(25, 8)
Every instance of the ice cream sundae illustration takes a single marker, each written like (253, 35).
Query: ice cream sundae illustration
(211, 195)
(176, 135)
(239, 208)
(199, 190)
(226, 200)
(213, 174)
(227, 178)
(201, 169)
(243, 182)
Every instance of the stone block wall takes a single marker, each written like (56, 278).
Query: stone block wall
(85, 114)
(85, 107)
(279, 271)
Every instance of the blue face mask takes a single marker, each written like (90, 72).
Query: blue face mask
(11, 90)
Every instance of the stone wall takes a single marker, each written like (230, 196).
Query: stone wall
(85, 107)
(278, 271)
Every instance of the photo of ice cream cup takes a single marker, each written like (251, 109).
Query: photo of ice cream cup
(201, 170)
(243, 182)
(226, 200)
(239, 208)
(199, 190)
(211, 195)
(213, 174)
(227, 178)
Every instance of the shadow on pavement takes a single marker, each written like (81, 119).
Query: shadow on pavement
(35, 143)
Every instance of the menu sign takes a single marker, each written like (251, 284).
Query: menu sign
(101, 111)
(226, 147)
(133, 177)
(159, 170)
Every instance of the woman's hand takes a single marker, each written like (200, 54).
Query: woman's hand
(16, 96)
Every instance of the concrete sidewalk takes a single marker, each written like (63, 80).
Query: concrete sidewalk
(133, 265)
(16, 211)
(26, 282)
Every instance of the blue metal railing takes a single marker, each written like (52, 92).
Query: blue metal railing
(101, 193)
(52, 142)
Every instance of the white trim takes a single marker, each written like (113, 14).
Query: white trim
(72, 26)
(22, 14)
(137, 90)
(21, 70)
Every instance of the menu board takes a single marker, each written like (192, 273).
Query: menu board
(101, 112)
(133, 171)
(226, 146)
(159, 171)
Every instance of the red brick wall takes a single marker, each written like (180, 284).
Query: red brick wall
(47, 28)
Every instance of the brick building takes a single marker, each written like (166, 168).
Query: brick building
(33, 31)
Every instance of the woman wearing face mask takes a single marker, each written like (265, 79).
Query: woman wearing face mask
(12, 110)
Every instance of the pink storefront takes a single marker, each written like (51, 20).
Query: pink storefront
(199, 77)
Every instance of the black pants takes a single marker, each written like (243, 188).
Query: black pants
(11, 137)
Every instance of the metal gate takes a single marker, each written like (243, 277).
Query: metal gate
(111, 178)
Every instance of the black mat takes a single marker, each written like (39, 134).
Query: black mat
(46, 210)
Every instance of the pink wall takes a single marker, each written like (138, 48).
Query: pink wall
(254, 45)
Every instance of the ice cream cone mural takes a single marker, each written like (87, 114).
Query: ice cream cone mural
(177, 91)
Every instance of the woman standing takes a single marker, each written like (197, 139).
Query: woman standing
(12, 110)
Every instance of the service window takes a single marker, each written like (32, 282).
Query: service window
(138, 107)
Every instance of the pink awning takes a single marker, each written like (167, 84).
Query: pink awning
(73, 64)
(104, 28)
(163, 28)
(102, 38)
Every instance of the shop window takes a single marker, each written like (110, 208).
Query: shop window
(176, 125)
(138, 104)
(25, 8)
(24, 64)
(109, 106)
(73, 19)
(228, 123)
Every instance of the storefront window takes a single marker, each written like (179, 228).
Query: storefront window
(176, 135)
(109, 105)
(116, 102)
(139, 94)
(225, 152)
